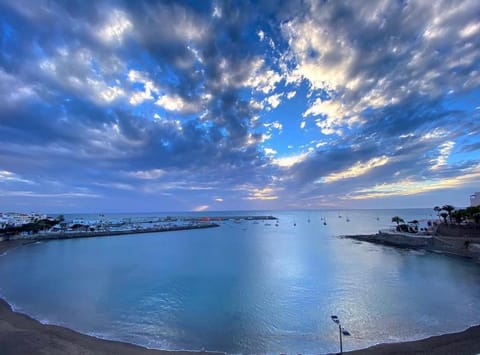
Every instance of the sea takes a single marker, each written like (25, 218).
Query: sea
(252, 287)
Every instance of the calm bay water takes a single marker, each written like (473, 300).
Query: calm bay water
(246, 287)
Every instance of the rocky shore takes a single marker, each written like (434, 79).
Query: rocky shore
(457, 246)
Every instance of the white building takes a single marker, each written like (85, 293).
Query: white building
(475, 199)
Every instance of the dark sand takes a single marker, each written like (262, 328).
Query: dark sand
(466, 342)
(20, 334)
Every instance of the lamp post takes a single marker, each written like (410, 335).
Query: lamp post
(341, 331)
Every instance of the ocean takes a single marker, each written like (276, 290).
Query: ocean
(250, 287)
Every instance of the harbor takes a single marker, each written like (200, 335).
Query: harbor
(37, 227)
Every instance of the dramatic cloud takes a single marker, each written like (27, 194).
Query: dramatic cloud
(148, 106)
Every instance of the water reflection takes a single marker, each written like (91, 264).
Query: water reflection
(246, 287)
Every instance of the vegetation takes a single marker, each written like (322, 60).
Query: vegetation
(462, 215)
(33, 227)
(397, 220)
(449, 209)
(444, 215)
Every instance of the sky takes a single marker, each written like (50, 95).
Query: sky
(139, 106)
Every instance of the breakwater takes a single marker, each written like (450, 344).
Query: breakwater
(108, 233)
(81, 228)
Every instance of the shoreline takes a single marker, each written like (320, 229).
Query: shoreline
(448, 246)
(22, 334)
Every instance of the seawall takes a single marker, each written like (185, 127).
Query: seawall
(70, 235)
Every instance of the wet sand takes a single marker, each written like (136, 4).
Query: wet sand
(20, 334)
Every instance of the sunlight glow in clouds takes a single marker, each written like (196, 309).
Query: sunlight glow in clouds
(201, 208)
(357, 169)
(177, 104)
(266, 193)
(443, 154)
(116, 27)
(289, 161)
(411, 187)
(6, 176)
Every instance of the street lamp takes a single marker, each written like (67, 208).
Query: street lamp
(341, 331)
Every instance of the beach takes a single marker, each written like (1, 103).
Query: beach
(20, 334)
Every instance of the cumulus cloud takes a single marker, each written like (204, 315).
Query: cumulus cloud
(177, 104)
(115, 28)
(365, 56)
(147, 174)
(102, 100)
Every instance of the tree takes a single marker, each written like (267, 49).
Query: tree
(397, 220)
(444, 215)
(437, 210)
(459, 215)
(473, 213)
(449, 209)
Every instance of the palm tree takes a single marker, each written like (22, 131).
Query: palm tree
(397, 220)
(437, 209)
(459, 215)
(449, 209)
(444, 215)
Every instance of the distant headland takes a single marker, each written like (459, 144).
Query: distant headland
(453, 232)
